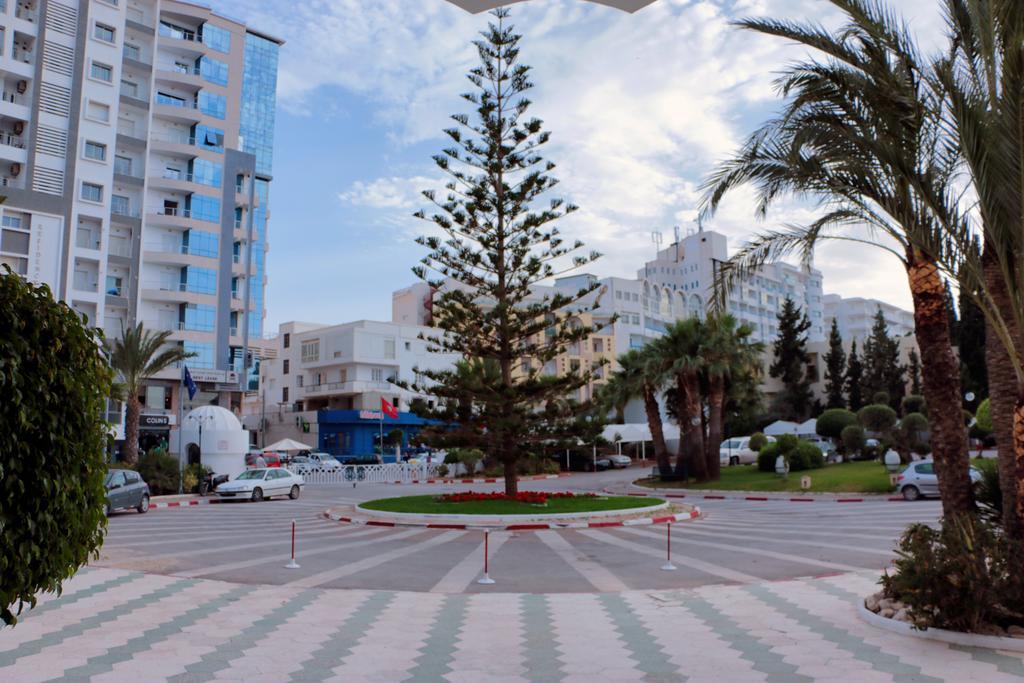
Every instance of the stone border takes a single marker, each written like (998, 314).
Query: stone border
(954, 637)
(823, 496)
(507, 519)
(512, 522)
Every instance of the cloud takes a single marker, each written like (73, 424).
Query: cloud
(392, 193)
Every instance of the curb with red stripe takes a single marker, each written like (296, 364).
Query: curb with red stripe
(709, 496)
(185, 503)
(522, 526)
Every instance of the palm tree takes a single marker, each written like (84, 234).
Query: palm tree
(861, 134)
(728, 355)
(678, 354)
(136, 357)
(639, 375)
(983, 79)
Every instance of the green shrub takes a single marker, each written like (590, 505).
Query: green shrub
(192, 475)
(467, 457)
(853, 439)
(160, 471)
(787, 442)
(987, 494)
(984, 417)
(962, 576)
(766, 457)
(442, 470)
(877, 418)
(757, 441)
(913, 403)
(832, 422)
(54, 382)
(880, 397)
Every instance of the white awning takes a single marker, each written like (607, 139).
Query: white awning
(287, 445)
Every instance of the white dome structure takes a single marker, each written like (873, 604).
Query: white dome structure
(215, 436)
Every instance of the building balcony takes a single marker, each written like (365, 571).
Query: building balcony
(177, 257)
(179, 112)
(175, 293)
(187, 42)
(184, 144)
(179, 74)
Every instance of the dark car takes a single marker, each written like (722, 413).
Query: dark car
(125, 490)
(585, 462)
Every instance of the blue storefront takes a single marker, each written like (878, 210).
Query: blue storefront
(355, 432)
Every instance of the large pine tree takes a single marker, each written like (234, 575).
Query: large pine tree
(835, 369)
(790, 364)
(882, 368)
(491, 249)
(854, 379)
(970, 341)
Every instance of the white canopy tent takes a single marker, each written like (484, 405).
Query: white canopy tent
(634, 432)
(287, 445)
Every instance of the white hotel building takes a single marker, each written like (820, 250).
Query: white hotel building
(135, 158)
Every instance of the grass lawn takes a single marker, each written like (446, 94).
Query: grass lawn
(430, 505)
(850, 477)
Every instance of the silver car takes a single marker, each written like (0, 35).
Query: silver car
(919, 480)
(125, 491)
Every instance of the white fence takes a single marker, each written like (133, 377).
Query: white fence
(388, 473)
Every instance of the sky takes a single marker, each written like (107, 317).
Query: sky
(640, 108)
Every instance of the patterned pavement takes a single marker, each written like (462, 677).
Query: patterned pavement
(113, 625)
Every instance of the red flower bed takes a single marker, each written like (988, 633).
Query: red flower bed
(530, 497)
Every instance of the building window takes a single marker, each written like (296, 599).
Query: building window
(95, 150)
(408, 346)
(599, 346)
(216, 37)
(287, 340)
(204, 208)
(212, 104)
(284, 394)
(311, 351)
(286, 366)
(209, 137)
(132, 52)
(213, 71)
(199, 243)
(97, 111)
(389, 349)
(206, 172)
(298, 380)
(204, 355)
(114, 285)
(92, 192)
(120, 205)
(199, 317)
(101, 72)
(377, 374)
(103, 32)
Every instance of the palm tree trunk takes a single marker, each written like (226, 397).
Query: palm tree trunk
(1002, 390)
(716, 410)
(131, 430)
(657, 433)
(941, 374)
(690, 461)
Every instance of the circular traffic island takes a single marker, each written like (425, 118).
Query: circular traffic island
(526, 510)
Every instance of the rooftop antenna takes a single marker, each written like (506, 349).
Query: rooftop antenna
(675, 229)
(656, 238)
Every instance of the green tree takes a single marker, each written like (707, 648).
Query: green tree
(854, 378)
(680, 352)
(493, 250)
(862, 132)
(136, 357)
(882, 368)
(971, 341)
(832, 422)
(878, 418)
(55, 383)
(640, 375)
(914, 369)
(835, 369)
(790, 363)
(951, 315)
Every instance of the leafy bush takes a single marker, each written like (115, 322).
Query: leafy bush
(853, 439)
(54, 382)
(877, 418)
(987, 494)
(984, 417)
(964, 576)
(913, 403)
(880, 397)
(757, 441)
(193, 474)
(160, 471)
(442, 470)
(787, 442)
(467, 457)
(766, 457)
(832, 422)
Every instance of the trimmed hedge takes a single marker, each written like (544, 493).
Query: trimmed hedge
(800, 454)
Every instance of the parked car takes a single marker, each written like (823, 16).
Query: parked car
(919, 480)
(324, 461)
(125, 490)
(262, 483)
(737, 451)
(261, 460)
(619, 460)
(585, 462)
(300, 464)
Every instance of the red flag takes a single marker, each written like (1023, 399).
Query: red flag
(388, 409)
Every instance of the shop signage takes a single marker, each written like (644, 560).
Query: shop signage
(155, 421)
(214, 376)
(371, 415)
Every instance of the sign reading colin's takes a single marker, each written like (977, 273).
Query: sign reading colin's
(476, 6)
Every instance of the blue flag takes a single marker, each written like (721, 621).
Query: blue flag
(189, 384)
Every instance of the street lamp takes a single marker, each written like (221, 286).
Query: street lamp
(200, 419)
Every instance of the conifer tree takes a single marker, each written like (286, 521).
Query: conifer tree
(915, 373)
(951, 316)
(854, 379)
(835, 369)
(970, 341)
(491, 247)
(790, 364)
(882, 368)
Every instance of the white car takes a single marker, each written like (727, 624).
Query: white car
(262, 483)
(620, 460)
(737, 451)
(323, 461)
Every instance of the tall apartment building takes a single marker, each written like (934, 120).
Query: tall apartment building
(856, 315)
(136, 143)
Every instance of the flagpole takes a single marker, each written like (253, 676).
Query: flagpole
(181, 430)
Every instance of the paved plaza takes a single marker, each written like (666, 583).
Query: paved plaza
(764, 591)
